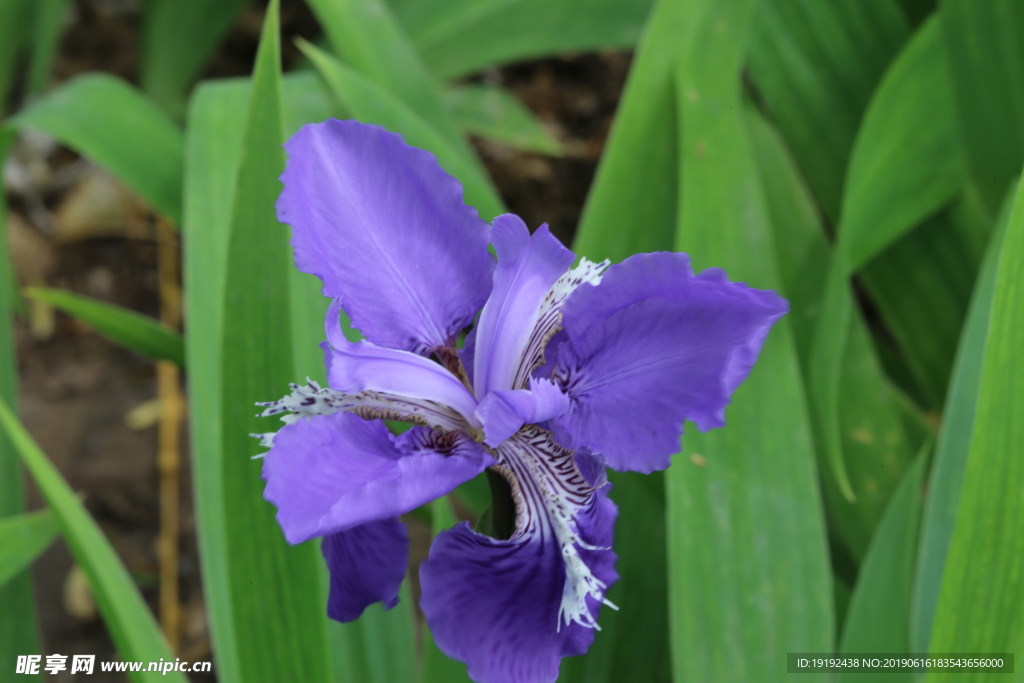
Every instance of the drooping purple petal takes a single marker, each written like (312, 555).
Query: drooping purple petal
(495, 604)
(387, 231)
(367, 565)
(650, 346)
(528, 265)
(363, 367)
(503, 412)
(332, 472)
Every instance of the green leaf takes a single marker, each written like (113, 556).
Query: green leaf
(878, 619)
(816, 65)
(875, 444)
(905, 164)
(13, 15)
(637, 180)
(495, 113)
(48, 23)
(22, 539)
(214, 147)
(123, 326)
(907, 160)
(129, 621)
(18, 625)
(459, 37)
(953, 445)
(986, 47)
(981, 602)
(921, 286)
(749, 578)
(112, 123)
(178, 37)
(372, 104)
(275, 594)
(366, 35)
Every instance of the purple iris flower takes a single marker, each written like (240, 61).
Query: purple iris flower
(568, 369)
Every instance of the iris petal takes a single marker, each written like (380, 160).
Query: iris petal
(653, 345)
(387, 231)
(528, 265)
(495, 605)
(367, 565)
(333, 472)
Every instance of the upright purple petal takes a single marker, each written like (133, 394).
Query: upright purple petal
(528, 266)
(332, 472)
(653, 345)
(387, 231)
(367, 565)
(495, 604)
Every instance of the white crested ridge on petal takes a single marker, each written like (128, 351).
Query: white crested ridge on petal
(549, 316)
(311, 400)
(549, 492)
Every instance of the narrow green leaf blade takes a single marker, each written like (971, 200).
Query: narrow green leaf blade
(112, 123)
(22, 539)
(954, 443)
(123, 326)
(18, 625)
(985, 41)
(48, 22)
(371, 103)
(275, 591)
(495, 113)
(458, 37)
(748, 562)
(178, 37)
(878, 619)
(131, 625)
(366, 34)
(13, 15)
(637, 179)
(875, 445)
(981, 602)
(816, 64)
(907, 160)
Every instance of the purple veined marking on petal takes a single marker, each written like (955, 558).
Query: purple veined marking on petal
(548, 489)
(311, 400)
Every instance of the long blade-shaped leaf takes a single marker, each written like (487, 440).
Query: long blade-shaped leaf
(123, 326)
(366, 34)
(906, 163)
(373, 104)
(495, 113)
(749, 577)
(637, 181)
(986, 48)
(112, 123)
(981, 602)
(458, 37)
(18, 626)
(907, 160)
(816, 65)
(876, 446)
(13, 15)
(275, 601)
(22, 539)
(177, 39)
(953, 445)
(879, 615)
(131, 625)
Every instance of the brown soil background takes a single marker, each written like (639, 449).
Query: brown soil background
(77, 388)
